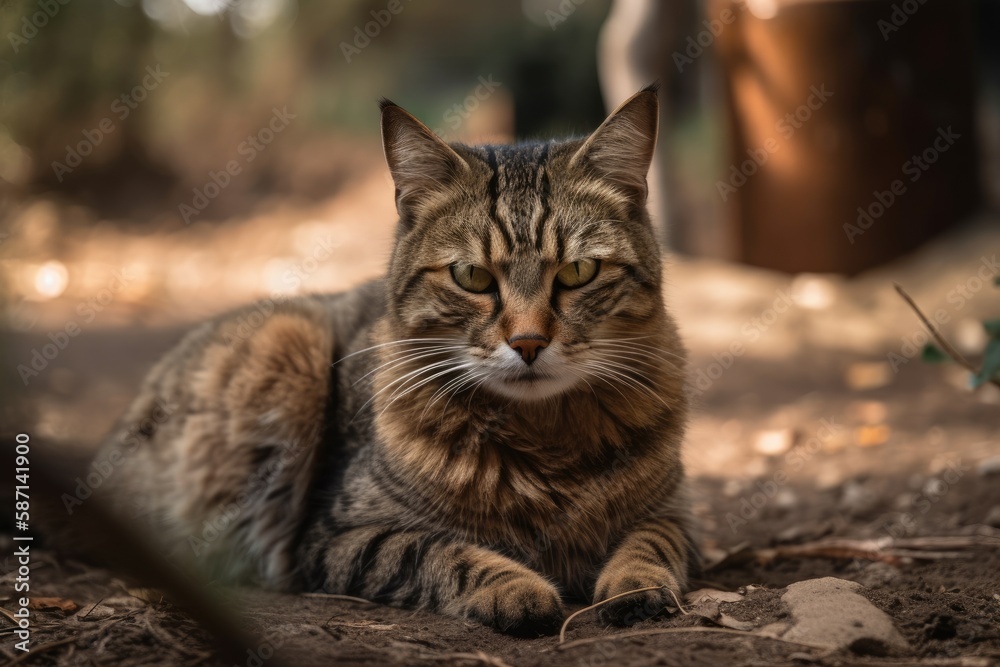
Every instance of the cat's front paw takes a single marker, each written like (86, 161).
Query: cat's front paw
(636, 607)
(524, 606)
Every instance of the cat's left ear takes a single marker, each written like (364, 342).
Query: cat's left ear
(420, 162)
(621, 149)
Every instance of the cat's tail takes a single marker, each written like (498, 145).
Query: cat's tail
(217, 453)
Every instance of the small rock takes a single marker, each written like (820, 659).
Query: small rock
(990, 466)
(857, 497)
(94, 612)
(831, 613)
(993, 517)
(877, 575)
(786, 499)
(774, 629)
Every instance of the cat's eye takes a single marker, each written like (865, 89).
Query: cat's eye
(473, 278)
(578, 273)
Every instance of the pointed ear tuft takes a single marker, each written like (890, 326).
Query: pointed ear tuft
(621, 149)
(420, 162)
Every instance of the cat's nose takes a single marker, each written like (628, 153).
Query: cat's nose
(528, 345)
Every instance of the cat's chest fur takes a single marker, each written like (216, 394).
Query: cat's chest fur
(552, 487)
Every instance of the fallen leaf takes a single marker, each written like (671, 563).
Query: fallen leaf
(702, 594)
(53, 604)
(872, 436)
(727, 621)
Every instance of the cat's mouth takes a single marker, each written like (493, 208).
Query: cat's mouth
(529, 375)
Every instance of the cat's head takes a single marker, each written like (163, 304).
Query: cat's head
(528, 269)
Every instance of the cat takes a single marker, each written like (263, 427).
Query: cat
(493, 427)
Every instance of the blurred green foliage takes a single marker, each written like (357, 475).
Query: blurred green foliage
(229, 63)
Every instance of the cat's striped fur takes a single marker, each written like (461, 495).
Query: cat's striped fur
(410, 453)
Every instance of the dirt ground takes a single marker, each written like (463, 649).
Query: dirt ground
(815, 421)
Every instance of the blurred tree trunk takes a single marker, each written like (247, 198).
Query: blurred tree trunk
(852, 130)
(634, 50)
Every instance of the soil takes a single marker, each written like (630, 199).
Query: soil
(810, 431)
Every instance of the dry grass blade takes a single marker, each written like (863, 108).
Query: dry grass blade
(562, 630)
(478, 657)
(947, 347)
(331, 596)
(884, 550)
(667, 631)
(42, 649)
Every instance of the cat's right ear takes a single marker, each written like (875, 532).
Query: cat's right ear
(421, 163)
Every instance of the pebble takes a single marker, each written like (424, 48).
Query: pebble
(990, 466)
(878, 575)
(831, 613)
(993, 517)
(857, 497)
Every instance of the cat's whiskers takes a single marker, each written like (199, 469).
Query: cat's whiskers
(403, 378)
(403, 341)
(629, 356)
(598, 374)
(409, 357)
(613, 370)
(405, 390)
(626, 343)
(452, 388)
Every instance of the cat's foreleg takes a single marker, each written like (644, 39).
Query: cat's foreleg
(657, 552)
(424, 570)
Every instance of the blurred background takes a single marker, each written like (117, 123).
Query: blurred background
(162, 161)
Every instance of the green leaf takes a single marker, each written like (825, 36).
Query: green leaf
(932, 354)
(992, 328)
(991, 364)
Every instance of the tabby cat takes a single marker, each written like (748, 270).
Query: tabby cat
(493, 427)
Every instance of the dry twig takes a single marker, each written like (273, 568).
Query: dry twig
(946, 347)
(331, 596)
(665, 631)
(562, 630)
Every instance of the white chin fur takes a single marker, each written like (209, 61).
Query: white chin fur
(536, 390)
